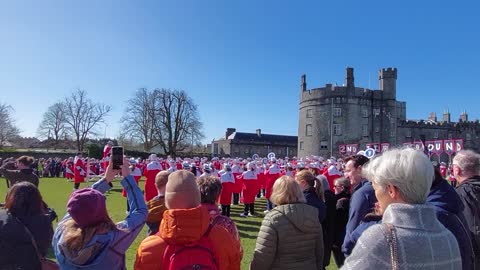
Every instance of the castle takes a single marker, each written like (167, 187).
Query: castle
(340, 120)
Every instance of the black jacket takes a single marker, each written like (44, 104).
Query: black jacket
(341, 217)
(15, 176)
(313, 200)
(469, 192)
(16, 248)
(448, 209)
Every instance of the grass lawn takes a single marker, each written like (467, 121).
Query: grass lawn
(55, 192)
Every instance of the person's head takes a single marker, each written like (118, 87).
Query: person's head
(307, 180)
(353, 168)
(402, 175)
(161, 180)
(466, 164)
(286, 191)
(182, 191)
(89, 217)
(210, 188)
(24, 162)
(341, 184)
(24, 199)
(227, 167)
(87, 207)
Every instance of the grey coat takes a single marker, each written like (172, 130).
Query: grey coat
(422, 242)
(290, 238)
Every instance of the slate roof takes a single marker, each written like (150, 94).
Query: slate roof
(266, 138)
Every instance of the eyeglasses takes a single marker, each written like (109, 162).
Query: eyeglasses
(338, 186)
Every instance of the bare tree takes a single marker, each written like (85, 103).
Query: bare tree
(176, 120)
(138, 121)
(82, 116)
(8, 130)
(53, 123)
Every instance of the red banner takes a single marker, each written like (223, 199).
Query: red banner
(458, 145)
(449, 146)
(430, 145)
(438, 149)
(348, 149)
(419, 146)
(385, 147)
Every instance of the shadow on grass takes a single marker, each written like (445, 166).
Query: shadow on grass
(115, 189)
(240, 222)
(247, 236)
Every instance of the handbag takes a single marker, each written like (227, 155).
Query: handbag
(392, 244)
(45, 263)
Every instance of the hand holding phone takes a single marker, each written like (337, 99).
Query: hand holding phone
(117, 157)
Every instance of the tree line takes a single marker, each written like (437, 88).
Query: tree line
(159, 117)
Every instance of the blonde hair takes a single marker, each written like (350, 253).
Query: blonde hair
(313, 182)
(285, 191)
(161, 179)
(76, 238)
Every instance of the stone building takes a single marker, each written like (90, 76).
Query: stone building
(332, 117)
(241, 144)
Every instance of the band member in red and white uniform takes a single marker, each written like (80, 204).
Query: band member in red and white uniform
(332, 172)
(69, 169)
(289, 170)
(207, 170)
(228, 182)
(79, 171)
(261, 178)
(107, 151)
(250, 189)
(237, 171)
(272, 174)
(151, 171)
(443, 169)
(137, 174)
(172, 166)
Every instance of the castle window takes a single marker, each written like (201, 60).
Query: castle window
(301, 145)
(309, 113)
(364, 112)
(337, 112)
(450, 136)
(468, 136)
(323, 145)
(377, 129)
(308, 130)
(435, 135)
(392, 133)
(365, 130)
(409, 133)
(337, 129)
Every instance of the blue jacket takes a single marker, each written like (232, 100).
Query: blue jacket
(313, 200)
(448, 209)
(362, 202)
(105, 251)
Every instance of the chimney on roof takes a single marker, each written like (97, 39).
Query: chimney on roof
(259, 132)
(229, 132)
(350, 80)
(446, 116)
(464, 117)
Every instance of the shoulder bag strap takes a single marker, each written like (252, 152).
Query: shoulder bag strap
(392, 243)
(32, 239)
(211, 225)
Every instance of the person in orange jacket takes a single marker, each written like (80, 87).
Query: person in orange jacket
(185, 222)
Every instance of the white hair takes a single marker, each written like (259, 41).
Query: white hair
(405, 168)
(468, 161)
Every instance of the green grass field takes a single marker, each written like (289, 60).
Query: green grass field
(55, 192)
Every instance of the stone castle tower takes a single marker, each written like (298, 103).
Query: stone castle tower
(333, 115)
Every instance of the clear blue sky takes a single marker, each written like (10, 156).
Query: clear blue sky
(241, 61)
